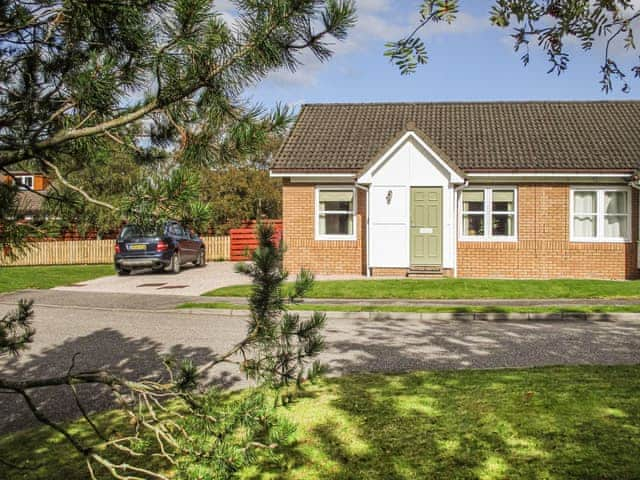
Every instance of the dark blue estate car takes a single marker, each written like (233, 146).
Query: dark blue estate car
(166, 249)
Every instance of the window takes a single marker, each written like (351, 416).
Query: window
(600, 215)
(335, 213)
(489, 214)
(24, 182)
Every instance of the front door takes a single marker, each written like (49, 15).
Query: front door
(426, 226)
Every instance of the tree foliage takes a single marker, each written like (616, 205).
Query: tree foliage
(550, 25)
(242, 193)
(158, 77)
(284, 342)
(165, 196)
(78, 78)
(16, 331)
(199, 434)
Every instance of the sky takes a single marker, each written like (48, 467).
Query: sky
(469, 60)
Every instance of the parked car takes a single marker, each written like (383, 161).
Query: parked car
(166, 249)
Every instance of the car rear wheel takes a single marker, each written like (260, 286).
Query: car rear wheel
(201, 261)
(122, 272)
(174, 266)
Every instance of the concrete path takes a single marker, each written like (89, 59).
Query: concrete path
(132, 342)
(190, 281)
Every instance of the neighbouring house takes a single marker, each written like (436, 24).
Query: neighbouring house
(32, 186)
(502, 189)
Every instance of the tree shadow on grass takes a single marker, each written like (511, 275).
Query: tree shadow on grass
(554, 422)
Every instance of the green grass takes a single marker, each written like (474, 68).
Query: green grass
(19, 278)
(541, 423)
(457, 288)
(443, 309)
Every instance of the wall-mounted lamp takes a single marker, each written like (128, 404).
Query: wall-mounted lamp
(389, 197)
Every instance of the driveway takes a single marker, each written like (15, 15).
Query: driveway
(190, 281)
(133, 341)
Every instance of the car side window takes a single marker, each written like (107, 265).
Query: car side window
(175, 230)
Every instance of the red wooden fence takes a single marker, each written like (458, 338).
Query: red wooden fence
(244, 241)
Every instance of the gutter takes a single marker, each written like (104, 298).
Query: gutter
(455, 211)
(366, 189)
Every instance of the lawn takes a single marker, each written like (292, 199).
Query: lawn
(315, 307)
(19, 278)
(553, 422)
(457, 288)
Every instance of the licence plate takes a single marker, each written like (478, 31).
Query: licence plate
(137, 246)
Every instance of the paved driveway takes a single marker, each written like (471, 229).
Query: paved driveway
(190, 281)
(133, 341)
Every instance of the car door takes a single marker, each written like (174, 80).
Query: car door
(187, 245)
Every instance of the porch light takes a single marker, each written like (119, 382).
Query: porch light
(389, 197)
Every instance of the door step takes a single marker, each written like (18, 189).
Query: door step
(424, 271)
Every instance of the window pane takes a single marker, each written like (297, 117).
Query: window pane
(503, 200)
(336, 224)
(473, 200)
(615, 202)
(473, 225)
(502, 225)
(336, 200)
(615, 226)
(584, 226)
(584, 202)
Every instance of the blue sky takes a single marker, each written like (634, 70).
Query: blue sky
(469, 60)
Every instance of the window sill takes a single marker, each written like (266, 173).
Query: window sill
(333, 238)
(489, 239)
(600, 240)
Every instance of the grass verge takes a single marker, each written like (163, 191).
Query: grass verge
(19, 278)
(553, 422)
(457, 288)
(418, 309)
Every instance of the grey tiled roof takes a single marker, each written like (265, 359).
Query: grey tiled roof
(474, 135)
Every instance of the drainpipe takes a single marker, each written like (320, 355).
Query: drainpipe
(368, 245)
(634, 184)
(455, 191)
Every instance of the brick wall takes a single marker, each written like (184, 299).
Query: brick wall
(543, 249)
(319, 256)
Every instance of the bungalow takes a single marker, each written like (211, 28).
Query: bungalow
(502, 189)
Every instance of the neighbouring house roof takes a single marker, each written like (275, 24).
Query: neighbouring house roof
(29, 203)
(474, 136)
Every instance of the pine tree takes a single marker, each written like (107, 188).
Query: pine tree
(283, 343)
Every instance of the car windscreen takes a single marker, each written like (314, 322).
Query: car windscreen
(132, 231)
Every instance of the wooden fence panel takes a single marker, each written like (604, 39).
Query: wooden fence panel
(77, 252)
(218, 248)
(244, 241)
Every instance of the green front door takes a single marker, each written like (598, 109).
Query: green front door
(426, 226)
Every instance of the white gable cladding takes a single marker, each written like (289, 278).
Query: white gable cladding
(408, 164)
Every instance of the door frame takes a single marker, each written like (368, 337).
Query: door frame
(442, 189)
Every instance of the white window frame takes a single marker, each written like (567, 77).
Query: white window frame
(21, 183)
(354, 213)
(600, 215)
(488, 214)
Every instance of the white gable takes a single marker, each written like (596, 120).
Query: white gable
(407, 158)
(409, 163)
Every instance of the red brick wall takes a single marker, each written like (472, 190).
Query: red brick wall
(319, 256)
(543, 249)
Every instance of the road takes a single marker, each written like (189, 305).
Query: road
(133, 341)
